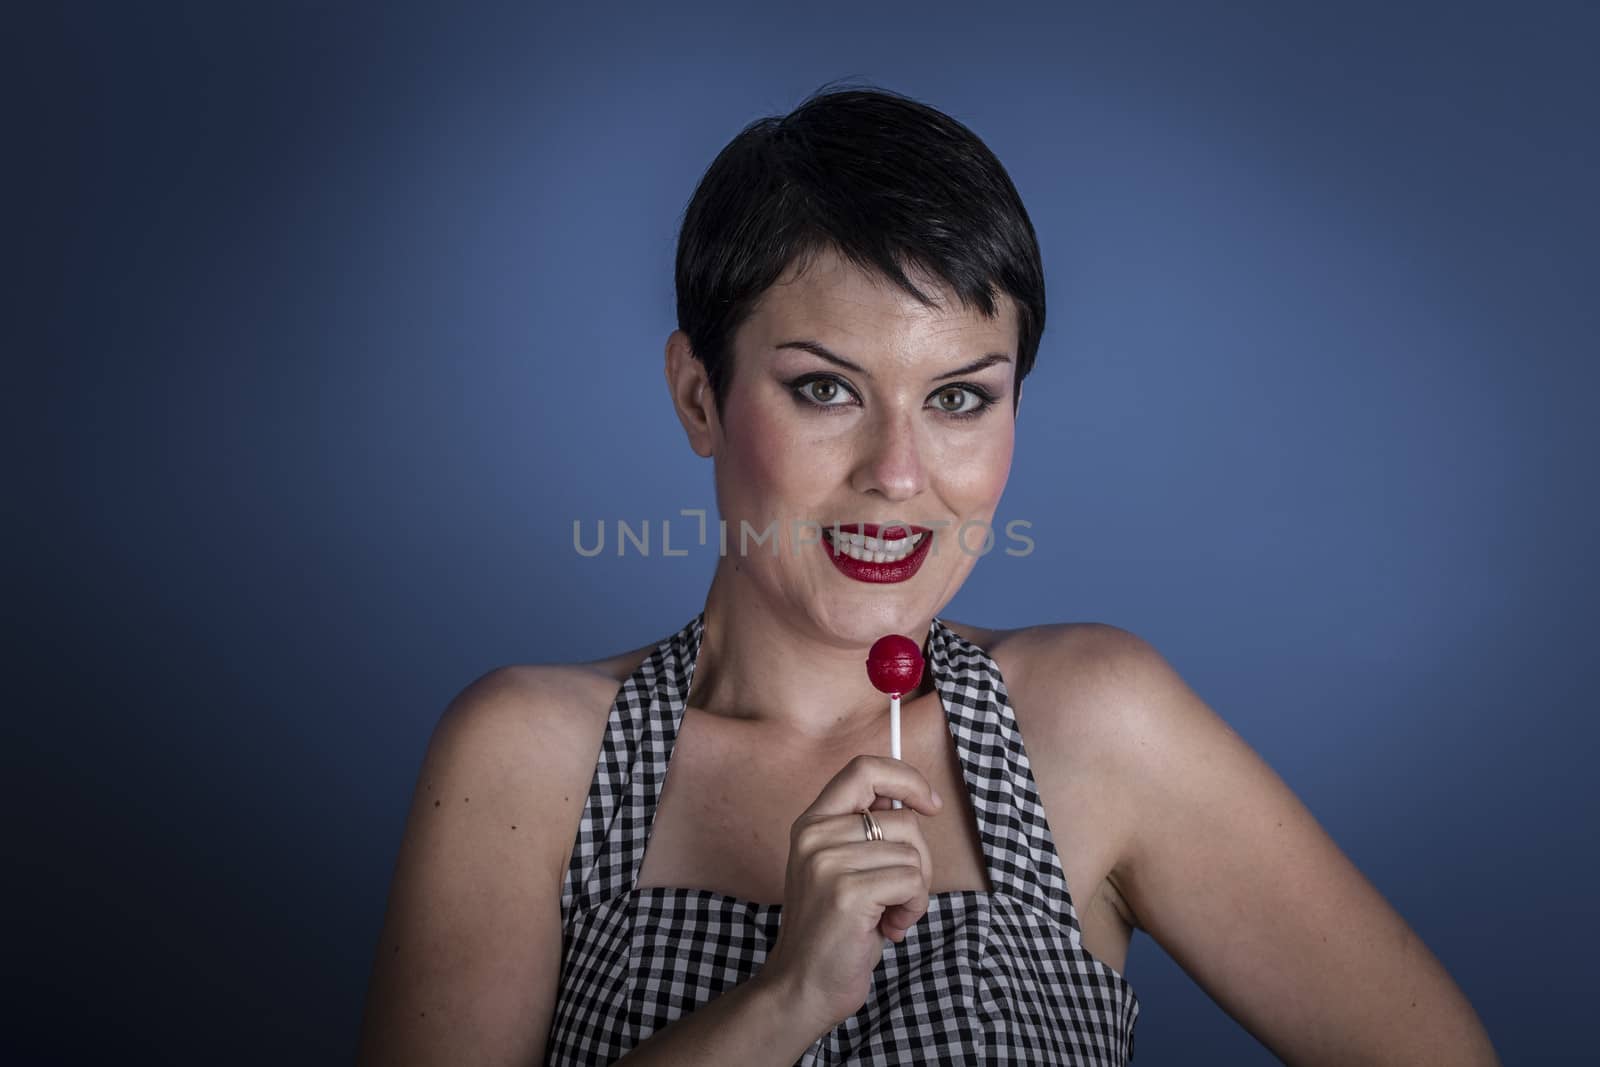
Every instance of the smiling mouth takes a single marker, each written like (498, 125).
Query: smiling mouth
(866, 549)
(878, 554)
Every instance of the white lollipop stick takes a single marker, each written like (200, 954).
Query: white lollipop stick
(894, 733)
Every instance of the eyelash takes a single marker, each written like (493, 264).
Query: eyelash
(797, 387)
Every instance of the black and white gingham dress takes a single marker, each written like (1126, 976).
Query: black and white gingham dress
(999, 978)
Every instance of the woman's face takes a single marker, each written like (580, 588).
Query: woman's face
(921, 433)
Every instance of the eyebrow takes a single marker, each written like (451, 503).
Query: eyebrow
(815, 349)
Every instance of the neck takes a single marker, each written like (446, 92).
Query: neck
(790, 673)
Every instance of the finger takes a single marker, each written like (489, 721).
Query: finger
(899, 918)
(866, 778)
(902, 827)
(902, 917)
(878, 890)
(907, 913)
(855, 854)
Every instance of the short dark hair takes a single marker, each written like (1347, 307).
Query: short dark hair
(883, 179)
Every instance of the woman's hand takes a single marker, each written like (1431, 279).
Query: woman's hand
(844, 894)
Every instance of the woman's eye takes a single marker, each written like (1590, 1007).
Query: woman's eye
(961, 400)
(823, 392)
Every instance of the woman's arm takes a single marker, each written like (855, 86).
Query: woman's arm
(466, 967)
(1230, 873)
(468, 962)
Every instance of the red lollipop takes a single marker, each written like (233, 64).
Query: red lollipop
(894, 664)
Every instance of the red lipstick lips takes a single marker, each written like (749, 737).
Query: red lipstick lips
(866, 570)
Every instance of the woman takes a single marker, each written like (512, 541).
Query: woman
(860, 297)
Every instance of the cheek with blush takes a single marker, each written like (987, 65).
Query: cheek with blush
(977, 477)
(764, 469)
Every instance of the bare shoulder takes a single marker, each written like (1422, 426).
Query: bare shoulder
(1288, 936)
(1074, 687)
(1114, 708)
(542, 696)
(1047, 643)
(543, 720)
(1075, 679)
(509, 708)
(469, 954)
(611, 671)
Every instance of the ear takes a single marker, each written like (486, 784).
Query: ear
(691, 395)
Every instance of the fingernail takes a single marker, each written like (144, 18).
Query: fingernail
(937, 801)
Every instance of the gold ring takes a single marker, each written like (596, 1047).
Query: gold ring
(874, 831)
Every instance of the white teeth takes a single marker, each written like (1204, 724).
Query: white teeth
(876, 550)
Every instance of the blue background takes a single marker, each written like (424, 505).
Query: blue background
(333, 319)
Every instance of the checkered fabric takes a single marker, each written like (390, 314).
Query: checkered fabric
(983, 978)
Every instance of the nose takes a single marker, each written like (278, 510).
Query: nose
(891, 461)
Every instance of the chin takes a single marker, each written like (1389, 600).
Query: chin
(862, 624)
